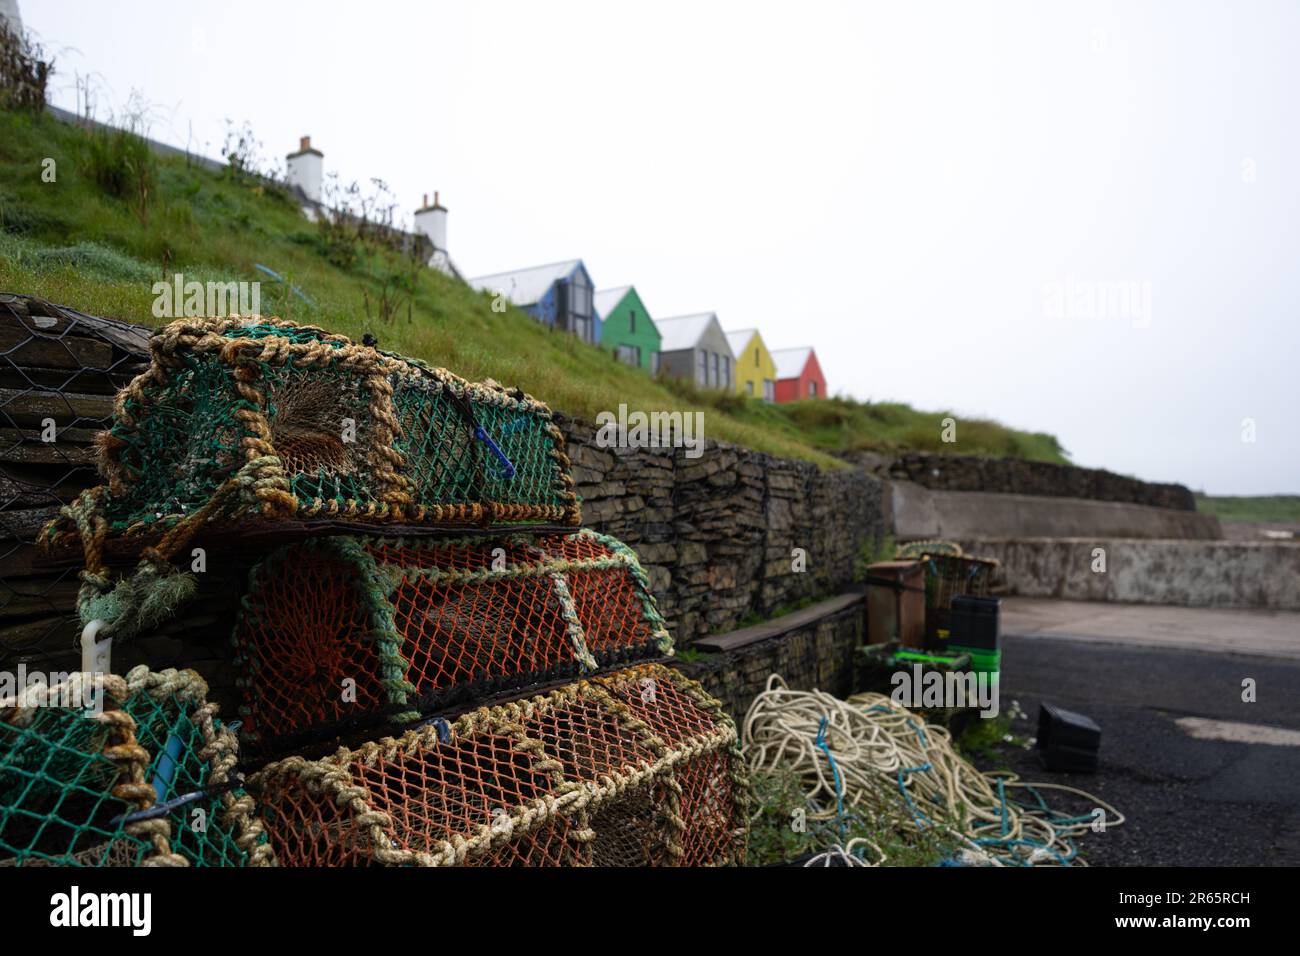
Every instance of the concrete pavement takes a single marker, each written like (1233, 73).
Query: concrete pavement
(1204, 776)
(1252, 633)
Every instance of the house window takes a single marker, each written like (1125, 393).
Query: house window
(629, 355)
(704, 368)
(812, 389)
(749, 387)
(631, 322)
(717, 369)
(755, 356)
(769, 390)
(577, 302)
(726, 371)
(654, 363)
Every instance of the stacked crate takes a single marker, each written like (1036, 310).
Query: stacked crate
(415, 571)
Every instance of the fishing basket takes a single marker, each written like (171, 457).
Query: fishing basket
(636, 768)
(263, 420)
(338, 632)
(949, 572)
(111, 771)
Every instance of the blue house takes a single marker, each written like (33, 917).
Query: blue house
(560, 294)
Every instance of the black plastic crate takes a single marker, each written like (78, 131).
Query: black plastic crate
(974, 622)
(1067, 741)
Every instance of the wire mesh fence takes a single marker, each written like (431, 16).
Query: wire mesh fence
(59, 371)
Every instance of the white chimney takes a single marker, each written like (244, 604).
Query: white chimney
(303, 169)
(9, 12)
(432, 221)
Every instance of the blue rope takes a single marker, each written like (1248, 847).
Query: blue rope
(839, 783)
(507, 469)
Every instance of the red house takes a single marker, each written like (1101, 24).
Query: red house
(798, 375)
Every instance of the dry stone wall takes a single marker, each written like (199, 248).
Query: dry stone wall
(1019, 477)
(717, 532)
(818, 656)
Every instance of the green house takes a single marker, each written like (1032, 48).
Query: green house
(627, 329)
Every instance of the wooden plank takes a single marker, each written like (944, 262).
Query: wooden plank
(86, 381)
(32, 408)
(40, 598)
(71, 454)
(37, 488)
(780, 625)
(45, 633)
(35, 313)
(21, 346)
(25, 524)
(22, 561)
(70, 435)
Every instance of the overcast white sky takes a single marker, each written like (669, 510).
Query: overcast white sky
(926, 192)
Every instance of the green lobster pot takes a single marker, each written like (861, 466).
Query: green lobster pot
(92, 771)
(267, 420)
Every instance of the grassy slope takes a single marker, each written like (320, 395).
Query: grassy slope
(71, 243)
(1258, 509)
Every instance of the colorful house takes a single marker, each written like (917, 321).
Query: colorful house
(560, 294)
(694, 347)
(626, 328)
(798, 375)
(755, 370)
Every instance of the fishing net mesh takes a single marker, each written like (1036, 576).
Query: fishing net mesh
(88, 766)
(338, 631)
(263, 418)
(635, 768)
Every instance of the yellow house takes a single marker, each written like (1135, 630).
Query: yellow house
(755, 370)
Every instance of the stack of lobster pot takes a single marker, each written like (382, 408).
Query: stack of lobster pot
(436, 664)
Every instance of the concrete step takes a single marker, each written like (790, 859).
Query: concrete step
(1224, 574)
(918, 512)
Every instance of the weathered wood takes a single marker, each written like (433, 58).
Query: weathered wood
(72, 454)
(46, 598)
(86, 381)
(129, 338)
(70, 435)
(46, 633)
(25, 524)
(32, 408)
(23, 561)
(779, 626)
(21, 346)
(21, 488)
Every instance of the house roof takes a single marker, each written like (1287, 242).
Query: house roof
(526, 286)
(607, 300)
(738, 339)
(683, 331)
(790, 362)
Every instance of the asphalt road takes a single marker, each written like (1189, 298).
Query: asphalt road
(1189, 801)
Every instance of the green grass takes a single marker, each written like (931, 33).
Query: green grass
(1259, 509)
(114, 223)
(774, 836)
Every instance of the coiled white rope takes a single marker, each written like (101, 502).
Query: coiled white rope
(870, 758)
